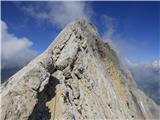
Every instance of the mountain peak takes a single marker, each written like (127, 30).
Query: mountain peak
(77, 77)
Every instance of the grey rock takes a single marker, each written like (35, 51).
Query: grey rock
(77, 77)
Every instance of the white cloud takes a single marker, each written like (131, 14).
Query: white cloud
(156, 64)
(114, 37)
(58, 13)
(147, 77)
(16, 52)
(110, 27)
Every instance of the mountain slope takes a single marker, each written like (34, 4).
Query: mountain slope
(77, 77)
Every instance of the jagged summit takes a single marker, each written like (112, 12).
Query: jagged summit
(77, 77)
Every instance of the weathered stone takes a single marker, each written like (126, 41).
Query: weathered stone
(77, 77)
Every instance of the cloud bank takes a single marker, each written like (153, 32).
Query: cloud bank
(58, 13)
(147, 77)
(15, 52)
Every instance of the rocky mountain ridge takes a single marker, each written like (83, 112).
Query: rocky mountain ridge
(77, 77)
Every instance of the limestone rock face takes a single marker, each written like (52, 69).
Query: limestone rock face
(77, 77)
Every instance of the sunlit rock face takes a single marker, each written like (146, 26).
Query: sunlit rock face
(77, 77)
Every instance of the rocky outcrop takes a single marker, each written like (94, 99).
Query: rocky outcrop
(77, 77)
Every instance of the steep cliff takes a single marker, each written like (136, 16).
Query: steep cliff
(77, 77)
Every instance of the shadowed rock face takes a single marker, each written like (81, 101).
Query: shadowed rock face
(77, 77)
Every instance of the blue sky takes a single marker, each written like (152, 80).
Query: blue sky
(132, 26)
